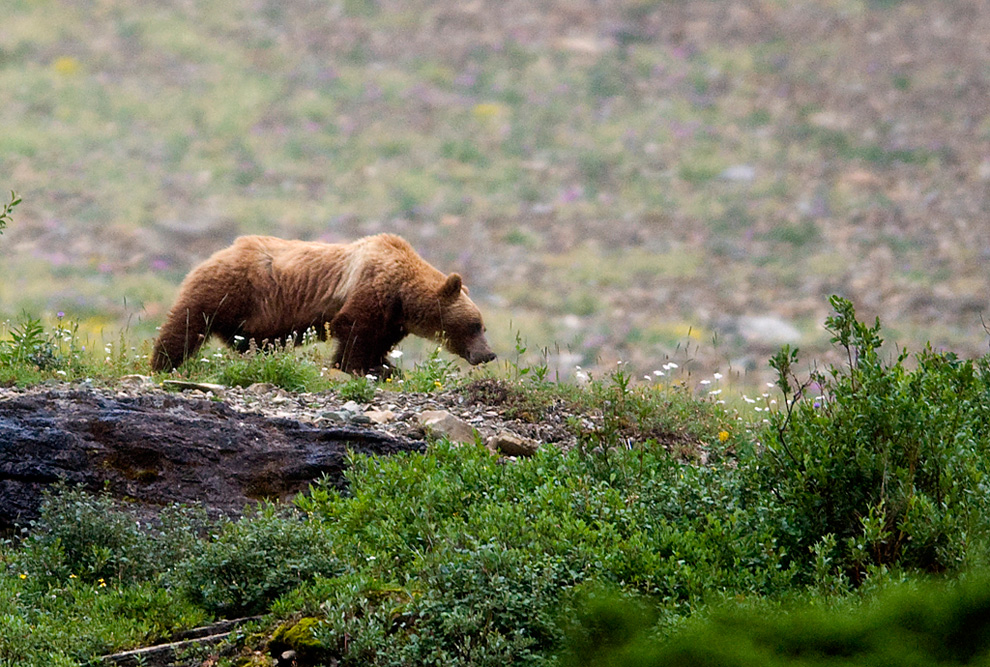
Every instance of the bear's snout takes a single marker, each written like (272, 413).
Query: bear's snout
(475, 358)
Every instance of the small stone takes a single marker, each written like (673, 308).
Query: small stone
(742, 173)
(380, 416)
(511, 444)
(769, 329)
(136, 380)
(336, 416)
(444, 424)
(182, 385)
(337, 375)
(351, 406)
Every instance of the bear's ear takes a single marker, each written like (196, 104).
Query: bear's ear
(451, 287)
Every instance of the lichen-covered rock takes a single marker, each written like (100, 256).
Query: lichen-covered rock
(295, 643)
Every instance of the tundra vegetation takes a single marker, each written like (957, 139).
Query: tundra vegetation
(842, 513)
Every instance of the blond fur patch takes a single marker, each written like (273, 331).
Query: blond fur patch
(351, 273)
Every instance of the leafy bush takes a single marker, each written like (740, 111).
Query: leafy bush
(930, 624)
(29, 344)
(250, 562)
(487, 551)
(874, 464)
(79, 535)
(359, 389)
(86, 580)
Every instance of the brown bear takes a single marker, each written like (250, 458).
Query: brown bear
(369, 294)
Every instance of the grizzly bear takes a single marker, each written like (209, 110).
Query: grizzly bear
(368, 295)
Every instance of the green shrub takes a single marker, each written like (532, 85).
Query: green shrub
(873, 464)
(86, 536)
(29, 344)
(930, 624)
(250, 562)
(359, 389)
(487, 551)
(86, 580)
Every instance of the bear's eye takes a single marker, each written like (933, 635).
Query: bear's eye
(476, 328)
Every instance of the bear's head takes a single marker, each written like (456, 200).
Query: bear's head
(460, 327)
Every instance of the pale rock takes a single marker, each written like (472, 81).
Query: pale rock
(511, 444)
(444, 424)
(380, 416)
(337, 375)
(741, 173)
(352, 406)
(335, 416)
(182, 385)
(768, 329)
(136, 381)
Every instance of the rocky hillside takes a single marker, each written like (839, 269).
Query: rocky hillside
(228, 447)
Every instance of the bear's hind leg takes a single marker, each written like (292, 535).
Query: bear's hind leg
(180, 337)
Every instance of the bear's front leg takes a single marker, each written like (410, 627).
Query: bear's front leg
(363, 343)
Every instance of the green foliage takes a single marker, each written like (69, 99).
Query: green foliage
(278, 366)
(248, 563)
(432, 374)
(29, 344)
(5, 218)
(85, 580)
(358, 389)
(929, 624)
(608, 628)
(69, 622)
(487, 551)
(32, 352)
(90, 578)
(866, 473)
(85, 536)
(873, 464)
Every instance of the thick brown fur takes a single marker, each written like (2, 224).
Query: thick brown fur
(369, 294)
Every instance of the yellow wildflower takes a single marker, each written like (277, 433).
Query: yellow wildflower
(486, 110)
(66, 66)
(723, 436)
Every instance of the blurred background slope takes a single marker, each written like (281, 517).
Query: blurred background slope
(636, 180)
